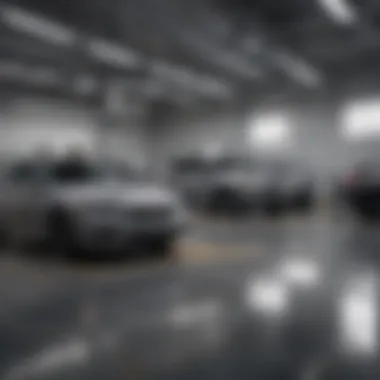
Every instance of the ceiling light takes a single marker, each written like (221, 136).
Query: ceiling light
(270, 132)
(112, 54)
(174, 73)
(37, 26)
(233, 62)
(214, 87)
(229, 61)
(360, 120)
(339, 10)
(190, 80)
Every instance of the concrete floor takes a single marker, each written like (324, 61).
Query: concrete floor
(245, 299)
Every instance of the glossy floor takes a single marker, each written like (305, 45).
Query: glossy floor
(289, 299)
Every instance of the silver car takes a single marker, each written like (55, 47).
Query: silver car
(87, 207)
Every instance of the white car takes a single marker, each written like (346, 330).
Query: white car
(87, 207)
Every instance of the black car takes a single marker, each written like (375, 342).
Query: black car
(243, 184)
(360, 189)
(290, 187)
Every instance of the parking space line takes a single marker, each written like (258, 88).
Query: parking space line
(198, 252)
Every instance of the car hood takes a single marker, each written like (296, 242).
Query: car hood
(116, 192)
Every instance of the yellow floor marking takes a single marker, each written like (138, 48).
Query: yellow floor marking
(203, 252)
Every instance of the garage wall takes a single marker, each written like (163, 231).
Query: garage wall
(192, 133)
(29, 123)
(321, 143)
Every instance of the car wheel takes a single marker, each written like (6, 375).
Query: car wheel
(60, 236)
(228, 203)
(164, 247)
(367, 215)
(304, 203)
(274, 208)
(4, 236)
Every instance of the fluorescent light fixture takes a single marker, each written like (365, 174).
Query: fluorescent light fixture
(190, 80)
(113, 54)
(37, 26)
(214, 87)
(240, 66)
(339, 10)
(174, 73)
(229, 61)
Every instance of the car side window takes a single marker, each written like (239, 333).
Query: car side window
(23, 173)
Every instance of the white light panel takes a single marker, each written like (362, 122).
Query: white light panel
(112, 54)
(270, 132)
(361, 120)
(339, 11)
(37, 26)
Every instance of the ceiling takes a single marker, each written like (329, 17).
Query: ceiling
(189, 49)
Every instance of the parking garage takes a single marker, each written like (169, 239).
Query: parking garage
(189, 189)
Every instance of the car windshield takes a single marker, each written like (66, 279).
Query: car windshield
(233, 164)
(212, 166)
(190, 166)
(71, 171)
(123, 171)
(77, 171)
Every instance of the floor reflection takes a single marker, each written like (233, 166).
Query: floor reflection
(308, 306)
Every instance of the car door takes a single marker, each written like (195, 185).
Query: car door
(22, 199)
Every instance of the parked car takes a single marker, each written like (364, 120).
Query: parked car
(360, 189)
(243, 184)
(290, 186)
(87, 207)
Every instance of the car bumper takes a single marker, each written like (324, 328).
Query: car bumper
(364, 197)
(108, 237)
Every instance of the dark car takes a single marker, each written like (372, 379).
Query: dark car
(242, 184)
(290, 187)
(360, 189)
